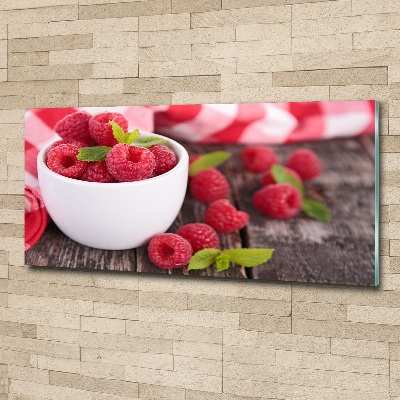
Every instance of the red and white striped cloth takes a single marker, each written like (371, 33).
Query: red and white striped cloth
(267, 123)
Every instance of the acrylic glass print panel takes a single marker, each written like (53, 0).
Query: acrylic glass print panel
(296, 183)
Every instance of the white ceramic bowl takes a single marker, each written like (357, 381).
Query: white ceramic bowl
(114, 216)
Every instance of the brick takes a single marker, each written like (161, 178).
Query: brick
(103, 325)
(47, 391)
(11, 216)
(252, 80)
(113, 100)
(394, 209)
(351, 76)
(28, 288)
(165, 53)
(115, 70)
(65, 42)
(243, 16)
(51, 304)
(10, 102)
(389, 144)
(137, 359)
(28, 30)
(265, 323)
(58, 334)
(196, 98)
(119, 311)
(233, 304)
(94, 294)
(394, 265)
(374, 315)
(126, 343)
(108, 26)
(172, 84)
(360, 348)
(251, 388)
(97, 86)
(3, 31)
(57, 100)
(258, 373)
(12, 117)
(46, 14)
(242, 49)
(263, 31)
(182, 6)
(325, 43)
(210, 351)
(359, 92)
(16, 329)
(11, 243)
(33, 88)
(164, 22)
(249, 355)
(115, 40)
(198, 366)
(174, 378)
(118, 10)
(346, 330)
(32, 58)
(189, 317)
(394, 126)
(113, 387)
(187, 67)
(328, 362)
(150, 392)
(50, 72)
(102, 371)
(26, 4)
(319, 311)
(275, 94)
(370, 7)
(329, 9)
(89, 56)
(264, 64)
(163, 300)
(116, 280)
(59, 364)
(187, 36)
(375, 40)
(164, 331)
(256, 3)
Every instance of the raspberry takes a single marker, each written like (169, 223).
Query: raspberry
(77, 143)
(101, 130)
(165, 159)
(200, 236)
(278, 200)
(97, 172)
(62, 160)
(306, 163)
(75, 126)
(268, 179)
(130, 163)
(224, 217)
(209, 185)
(169, 250)
(259, 158)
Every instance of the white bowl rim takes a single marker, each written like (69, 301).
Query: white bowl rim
(181, 164)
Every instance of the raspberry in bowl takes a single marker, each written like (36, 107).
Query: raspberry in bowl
(114, 215)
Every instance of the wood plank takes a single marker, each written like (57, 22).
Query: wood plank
(54, 249)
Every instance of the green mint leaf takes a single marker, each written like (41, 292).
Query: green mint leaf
(282, 176)
(130, 137)
(316, 210)
(118, 132)
(203, 259)
(207, 161)
(95, 153)
(222, 262)
(147, 141)
(248, 257)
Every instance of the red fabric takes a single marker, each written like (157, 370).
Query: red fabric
(36, 217)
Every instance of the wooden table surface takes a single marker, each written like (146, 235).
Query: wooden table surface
(339, 252)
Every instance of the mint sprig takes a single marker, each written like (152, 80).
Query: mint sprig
(121, 136)
(95, 153)
(207, 161)
(147, 141)
(223, 258)
(312, 208)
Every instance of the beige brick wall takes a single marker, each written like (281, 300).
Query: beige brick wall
(83, 335)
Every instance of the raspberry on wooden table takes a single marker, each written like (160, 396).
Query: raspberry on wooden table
(130, 163)
(165, 159)
(74, 126)
(101, 131)
(224, 217)
(169, 250)
(306, 163)
(258, 158)
(97, 172)
(268, 179)
(62, 160)
(278, 201)
(209, 185)
(199, 235)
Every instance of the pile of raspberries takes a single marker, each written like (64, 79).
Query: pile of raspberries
(123, 163)
(283, 201)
